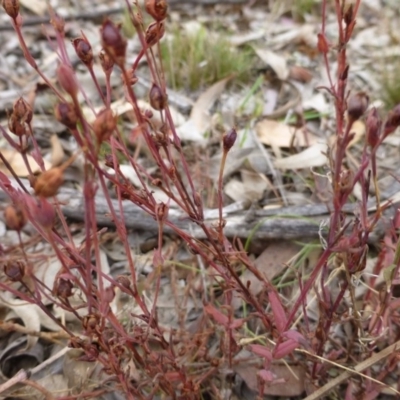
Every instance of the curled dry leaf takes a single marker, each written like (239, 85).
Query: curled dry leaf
(200, 118)
(38, 7)
(30, 314)
(275, 61)
(277, 134)
(57, 151)
(252, 187)
(314, 156)
(17, 163)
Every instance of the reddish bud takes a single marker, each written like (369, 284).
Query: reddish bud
(104, 125)
(157, 9)
(22, 110)
(11, 7)
(349, 15)
(346, 179)
(14, 217)
(357, 105)
(44, 213)
(107, 63)
(124, 281)
(83, 50)
(66, 114)
(161, 211)
(131, 78)
(154, 32)
(323, 46)
(14, 270)
(113, 42)
(374, 124)
(66, 79)
(229, 139)
(90, 322)
(158, 98)
(63, 288)
(392, 121)
(48, 183)
(16, 126)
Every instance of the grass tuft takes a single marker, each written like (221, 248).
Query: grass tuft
(196, 60)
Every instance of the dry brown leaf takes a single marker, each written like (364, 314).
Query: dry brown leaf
(57, 151)
(270, 263)
(38, 7)
(275, 61)
(314, 156)
(278, 134)
(358, 129)
(121, 107)
(16, 161)
(300, 74)
(200, 111)
(252, 187)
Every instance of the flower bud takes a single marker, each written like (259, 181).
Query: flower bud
(158, 98)
(229, 139)
(157, 9)
(14, 270)
(323, 45)
(161, 210)
(90, 322)
(357, 105)
(16, 126)
(48, 183)
(66, 79)
(63, 288)
(154, 32)
(374, 124)
(346, 181)
(392, 121)
(107, 63)
(104, 125)
(66, 114)
(83, 50)
(22, 110)
(124, 281)
(113, 42)
(348, 16)
(131, 78)
(14, 217)
(11, 7)
(45, 213)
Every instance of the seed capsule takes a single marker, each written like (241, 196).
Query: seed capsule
(83, 50)
(14, 217)
(229, 139)
(11, 7)
(66, 114)
(104, 125)
(158, 98)
(157, 9)
(357, 105)
(14, 270)
(48, 183)
(66, 79)
(113, 42)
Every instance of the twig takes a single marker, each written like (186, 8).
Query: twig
(318, 394)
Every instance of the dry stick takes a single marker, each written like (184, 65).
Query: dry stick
(23, 375)
(357, 370)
